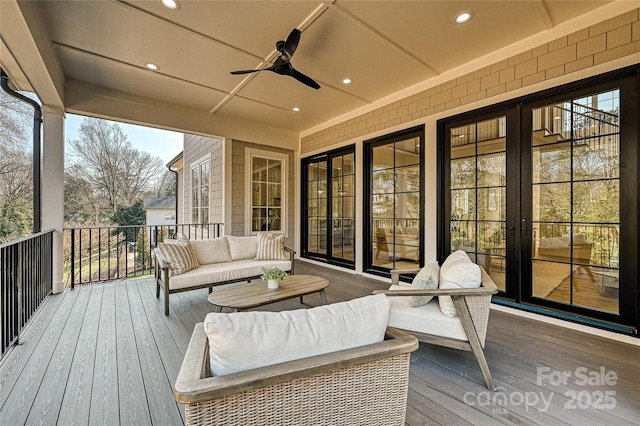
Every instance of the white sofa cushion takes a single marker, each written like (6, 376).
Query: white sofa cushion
(218, 272)
(426, 279)
(427, 318)
(457, 271)
(242, 247)
(211, 250)
(245, 340)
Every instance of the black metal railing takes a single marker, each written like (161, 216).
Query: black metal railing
(104, 253)
(25, 281)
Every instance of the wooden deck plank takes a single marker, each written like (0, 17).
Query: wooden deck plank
(13, 363)
(76, 402)
(21, 400)
(131, 392)
(104, 393)
(439, 377)
(159, 388)
(46, 406)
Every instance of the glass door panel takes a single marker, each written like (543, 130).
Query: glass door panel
(478, 171)
(576, 202)
(329, 207)
(395, 186)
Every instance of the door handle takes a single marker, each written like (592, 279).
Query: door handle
(524, 226)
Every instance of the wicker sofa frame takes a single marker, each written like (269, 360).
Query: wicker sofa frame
(359, 386)
(472, 306)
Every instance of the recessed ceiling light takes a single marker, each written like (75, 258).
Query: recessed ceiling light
(152, 67)
(170, 4)
(346, 81)
(463, 17)
(296, 109)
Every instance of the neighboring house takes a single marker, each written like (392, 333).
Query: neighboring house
(160, 210)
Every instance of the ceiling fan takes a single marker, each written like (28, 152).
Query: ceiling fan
(282, 64)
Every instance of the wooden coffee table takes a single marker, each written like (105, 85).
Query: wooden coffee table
(250, 295)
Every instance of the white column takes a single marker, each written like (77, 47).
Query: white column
(53, 188)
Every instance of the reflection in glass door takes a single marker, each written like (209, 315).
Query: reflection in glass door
(329, 207)
(576, 201)
(478, 194)
(395, 225)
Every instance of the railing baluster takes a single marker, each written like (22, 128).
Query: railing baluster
(25, 280)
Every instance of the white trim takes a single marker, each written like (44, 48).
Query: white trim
(248, 179)
(198, 162)
(567, 324)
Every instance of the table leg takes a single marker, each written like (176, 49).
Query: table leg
(323, 297)
(301, 299)
(217, 308)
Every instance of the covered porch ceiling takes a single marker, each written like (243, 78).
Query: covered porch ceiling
(89, 57)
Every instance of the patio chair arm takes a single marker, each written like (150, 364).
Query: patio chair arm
(479, 291)
(291, 253)
(395, 274)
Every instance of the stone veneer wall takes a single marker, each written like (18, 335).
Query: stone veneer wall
(238, 170)
(195, 148)
(602, 42)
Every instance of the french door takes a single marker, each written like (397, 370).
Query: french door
(394, 192)
(329, 207)
(543, 195)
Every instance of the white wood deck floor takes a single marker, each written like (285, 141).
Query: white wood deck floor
(106, 354)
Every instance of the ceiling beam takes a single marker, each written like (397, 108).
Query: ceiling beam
(27, 52)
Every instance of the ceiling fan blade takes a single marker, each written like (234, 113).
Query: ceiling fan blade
(244, 71)
(291, 44)
(305, 79)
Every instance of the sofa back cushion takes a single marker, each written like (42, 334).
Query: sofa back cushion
(246, 340)
(242, 248)
(457, 271)
(212, 250)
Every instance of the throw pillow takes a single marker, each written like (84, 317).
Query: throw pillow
(179, 256)
(270, 248)
(426, 279)
(246, 340)
(457, 271)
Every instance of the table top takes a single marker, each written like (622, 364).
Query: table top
(250, 295)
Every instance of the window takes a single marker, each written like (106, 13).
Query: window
(266, 188)
(200, 191)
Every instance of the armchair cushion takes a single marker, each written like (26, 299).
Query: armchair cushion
(246, 340)
(427, 319)
(457, 271)
(426, 279)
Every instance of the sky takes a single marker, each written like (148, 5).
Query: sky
(160, 143)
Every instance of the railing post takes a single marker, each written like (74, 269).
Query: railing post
(73, 258)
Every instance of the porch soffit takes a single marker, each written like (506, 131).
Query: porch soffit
(91, 56)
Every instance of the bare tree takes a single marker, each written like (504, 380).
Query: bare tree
(119, 174)
(15, 167)
(165, 185)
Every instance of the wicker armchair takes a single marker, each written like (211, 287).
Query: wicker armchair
(472, 306)
(359, 386)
